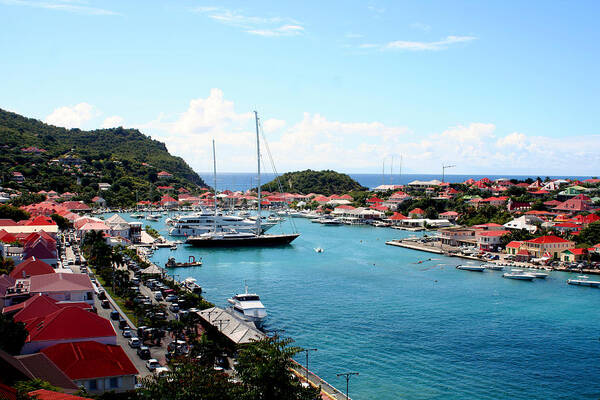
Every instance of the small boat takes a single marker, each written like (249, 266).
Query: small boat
(191, 285)
(518, 275)
(153, 217)
(171, 263)
(494, 267)
(583, 280)
(249, 307)
(319, 249)
(538, 274)
(173, 247)
(329, 221)
(467, 267)
(137, 215)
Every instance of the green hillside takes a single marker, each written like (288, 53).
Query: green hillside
(124, 158)
(309, 181)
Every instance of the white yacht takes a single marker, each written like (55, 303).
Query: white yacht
(202, 222)
(538, 274)
(471, 267)
(583, 280)
(249, 307)
(519, 275)
(493, 267)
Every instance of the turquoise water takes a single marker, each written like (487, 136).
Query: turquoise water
(413, 330)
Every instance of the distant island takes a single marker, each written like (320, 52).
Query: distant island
(117, 162)
(308, 181)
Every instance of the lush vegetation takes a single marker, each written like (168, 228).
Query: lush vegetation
(124, 158)
(13, 335)
(309, 181)
(263, 374)
(12, 212)
(590, 235)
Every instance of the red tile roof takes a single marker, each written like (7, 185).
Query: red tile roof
(39, 306)
(577, 252)
(68, 323)
(398, 217)
(416, 211)
(548, 239)
(514, 244)
(7, 237)
(493, 233)
(87, 359)
(43, 394)
(31, 267)
(60, 282)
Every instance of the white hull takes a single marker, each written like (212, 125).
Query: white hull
(519, 277)
(475, 268)
(583, 282)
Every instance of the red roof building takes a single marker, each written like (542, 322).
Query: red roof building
(96, 366)
(68, 324)
(43, 394)
(39, 306)
(164, 175)
(31, 267)
(417, 212)
(576, 204)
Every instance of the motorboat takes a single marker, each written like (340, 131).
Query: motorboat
(470, 267)
(583, 280)
(538, 274)
(249, 307)
(518, 274)
(192, 262)
(153, 217)
(329, 221)
(494, 267)
(137, 215)
(192, 285)
(319, 250)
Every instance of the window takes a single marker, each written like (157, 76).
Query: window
(93, 384)
(68, 296)
(114, 383)
(89, 296)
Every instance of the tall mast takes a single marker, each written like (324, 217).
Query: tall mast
(392, 172)
(258, 162)
(215, 185)
(383, 173)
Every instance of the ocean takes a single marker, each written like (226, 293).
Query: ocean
(244, 181)
(410, 323)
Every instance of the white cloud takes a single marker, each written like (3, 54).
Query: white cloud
(113, 122)
(73, 6)
(73, 116)
(273, 125)
(284, 30)
(316, 142)
(351, 35)
(420, 46)
(261, 26)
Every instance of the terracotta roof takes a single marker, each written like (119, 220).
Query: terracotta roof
(59, 282)
(577, 252)
(398, 217)
(523, 252)
(514, 244)
(493, 233)
(39, 306)
(548, 239)
(416, 211)
(7, 222)
(31, 267)
(43, 394)
(41, 367)
(87, 359)
(66, 324)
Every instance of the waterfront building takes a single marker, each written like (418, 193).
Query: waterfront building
(489, 240)
(548, 246)
(525, 222)
(574, 255)
(458, 236)
(98, 367)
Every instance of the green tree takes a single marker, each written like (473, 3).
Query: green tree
(589, 234)
(62, 222)
(24, 387)
(264, 369)
(14, 213)
(13, 335)
(190, 381)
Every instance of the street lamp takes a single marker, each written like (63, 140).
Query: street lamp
(347, 376)
(306, 351)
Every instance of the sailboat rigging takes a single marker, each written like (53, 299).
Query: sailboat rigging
(232, 238)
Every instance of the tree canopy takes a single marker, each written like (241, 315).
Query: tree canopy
(322, 182)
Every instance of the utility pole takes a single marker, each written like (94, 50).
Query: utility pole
(347, 375)
(444, 167)
(306, 351)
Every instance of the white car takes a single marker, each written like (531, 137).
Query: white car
(160, 370)
(152, 364)
(135, 342)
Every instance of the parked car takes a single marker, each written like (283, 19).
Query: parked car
(127, 333)
(174, 307)
(102, 295)
(134, 342)
(158, 296)
(143, 352)
(170, 298)
(122, 324)
(160, 370)
(105, 304)
(114, 315)
(152, 364)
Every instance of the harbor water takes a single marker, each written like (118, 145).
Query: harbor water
(409, 322)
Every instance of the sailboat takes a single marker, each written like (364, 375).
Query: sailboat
(232, 238)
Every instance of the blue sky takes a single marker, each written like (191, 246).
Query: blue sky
(493, 87)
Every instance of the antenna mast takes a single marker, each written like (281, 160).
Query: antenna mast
(258, 160)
